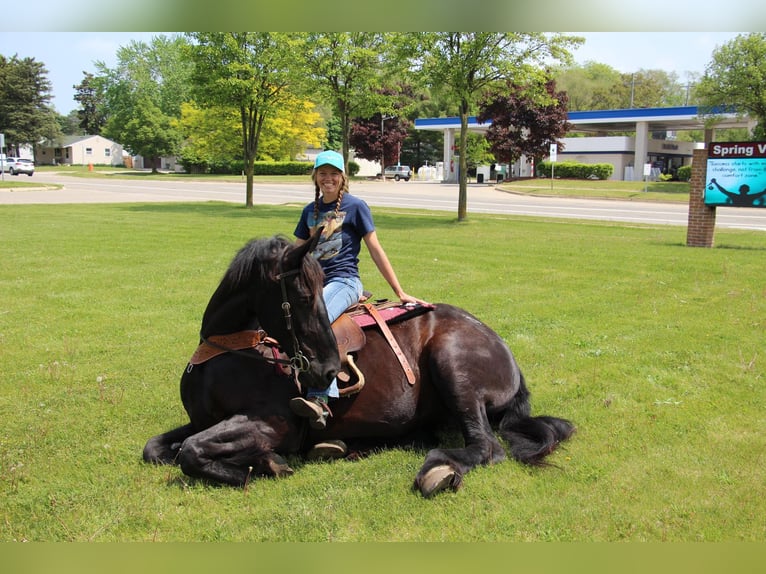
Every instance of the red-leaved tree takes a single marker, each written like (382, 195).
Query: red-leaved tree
(524, 122)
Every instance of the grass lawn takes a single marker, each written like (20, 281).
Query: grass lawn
(654, 349)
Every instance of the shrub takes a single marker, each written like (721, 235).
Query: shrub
(684, 173)
(236, 167)
(573, 170)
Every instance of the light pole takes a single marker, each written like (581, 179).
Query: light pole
(383, 147)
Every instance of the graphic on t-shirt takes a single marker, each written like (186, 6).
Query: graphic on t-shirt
(332, 238)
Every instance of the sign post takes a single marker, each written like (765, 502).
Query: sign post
(647, 173)
(553, 152)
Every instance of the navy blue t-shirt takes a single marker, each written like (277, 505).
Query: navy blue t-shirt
(338, 253)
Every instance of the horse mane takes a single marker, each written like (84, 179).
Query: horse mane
(257, 262)
(261, 256)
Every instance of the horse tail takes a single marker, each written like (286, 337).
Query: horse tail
(531, 439)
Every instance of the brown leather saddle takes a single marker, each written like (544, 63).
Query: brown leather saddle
(349, 333)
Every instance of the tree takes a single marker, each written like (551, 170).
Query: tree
(143, 96)
(210, 136)
(379, 138)
(89, 93)
(26, 116)
(70, 124)
(250, 72)
(595, 86)
(524, 124)
(463, 64)
(736, 76)
(589, 86)
(348, 68)
(293, 127)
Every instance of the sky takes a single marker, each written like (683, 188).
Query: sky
(67, 55)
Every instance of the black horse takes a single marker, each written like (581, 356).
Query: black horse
(463, 375)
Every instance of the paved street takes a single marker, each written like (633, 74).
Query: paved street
(423, 195)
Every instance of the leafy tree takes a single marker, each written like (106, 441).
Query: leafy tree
(293, 127)
(251, 72)
(589, 86)
(26, 116)
(333, 135)
(70, 124)
(464, 64)
(595, 86)
(649, 89)
(523, 123)
(89, 93)
(211, 136)
(736, 76)
(379, 138)
(143, 96)
(347, 68)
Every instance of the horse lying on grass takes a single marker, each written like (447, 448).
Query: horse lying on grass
(240, 426)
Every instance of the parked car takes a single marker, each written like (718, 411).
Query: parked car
(398, 172)
(17, 165)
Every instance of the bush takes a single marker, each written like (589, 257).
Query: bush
(237, 167)
(684, 173)
(353, 168)
(573, 170)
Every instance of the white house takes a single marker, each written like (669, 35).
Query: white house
(79, 150)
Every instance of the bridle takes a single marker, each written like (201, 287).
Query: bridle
(299, 362)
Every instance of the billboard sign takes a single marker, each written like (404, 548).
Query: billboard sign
(736, 174)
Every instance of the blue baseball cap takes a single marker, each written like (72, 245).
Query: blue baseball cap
(332, 158)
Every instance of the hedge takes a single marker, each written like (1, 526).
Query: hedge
(236, 167)
(573, 170)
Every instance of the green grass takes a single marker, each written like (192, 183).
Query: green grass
(667, 191)
(653, 348)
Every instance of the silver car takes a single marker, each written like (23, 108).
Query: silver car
(17, 165)
(398, 172)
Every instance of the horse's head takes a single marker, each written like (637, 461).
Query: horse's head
(273, 284)
(297, 316)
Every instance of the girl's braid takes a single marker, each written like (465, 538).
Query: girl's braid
(343, 189)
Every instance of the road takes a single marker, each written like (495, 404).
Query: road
(482, 198)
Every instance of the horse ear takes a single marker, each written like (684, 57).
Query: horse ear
(296, 253)
(314, 239)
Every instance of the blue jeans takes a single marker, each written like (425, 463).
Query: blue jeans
(339, 294)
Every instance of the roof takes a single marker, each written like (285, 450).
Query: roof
(659, 119)
(68, 141)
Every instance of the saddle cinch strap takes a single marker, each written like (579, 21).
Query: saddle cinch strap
(389, 336)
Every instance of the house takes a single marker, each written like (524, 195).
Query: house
(79, 150)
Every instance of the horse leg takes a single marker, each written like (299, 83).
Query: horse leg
(163, 448)
(463, 381)
(232, 451)
(444, 468)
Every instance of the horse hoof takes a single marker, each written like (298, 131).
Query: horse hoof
(328, 450)
(437, 479)
(279, 467)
